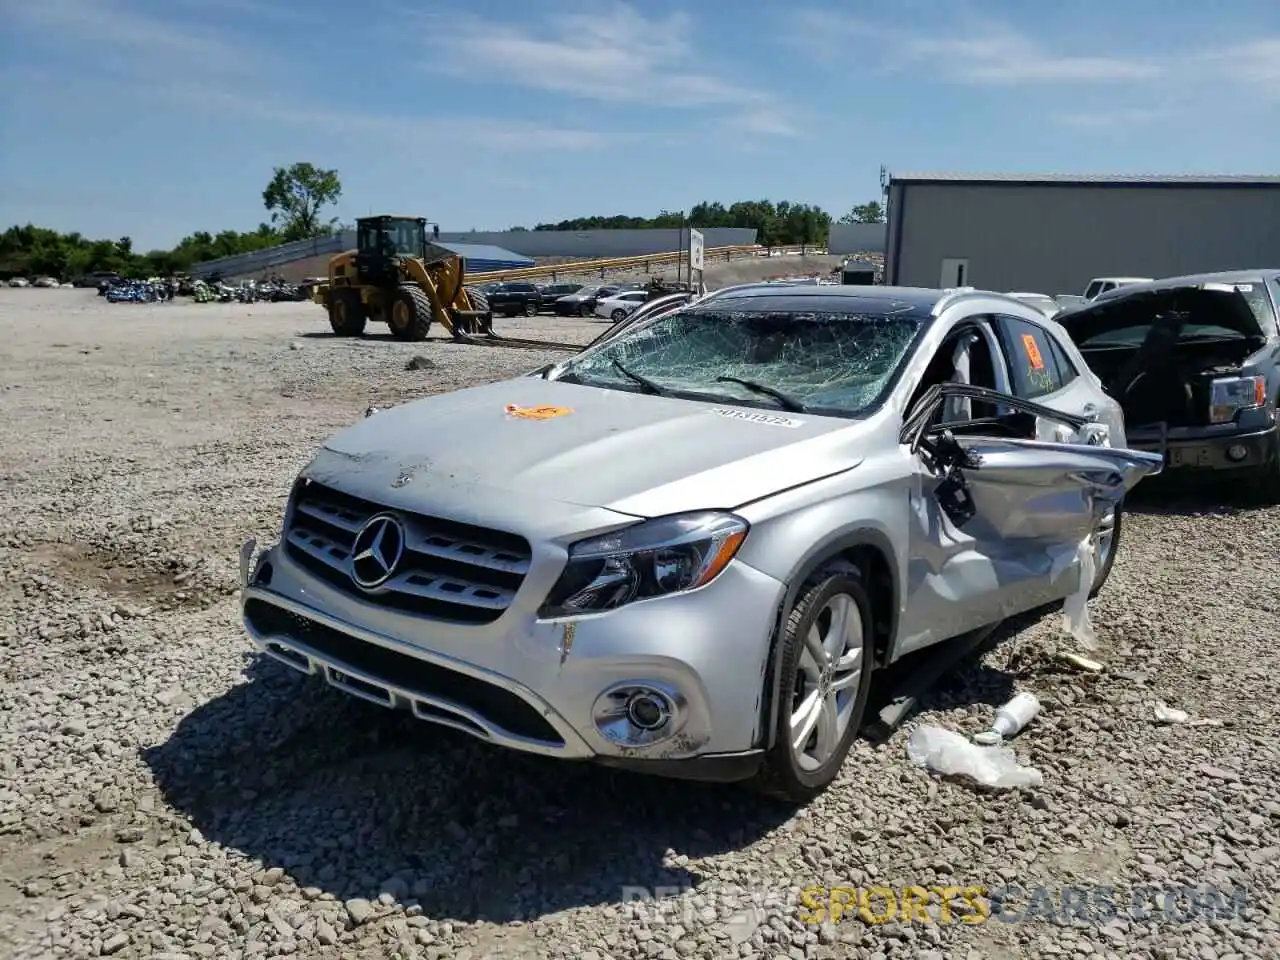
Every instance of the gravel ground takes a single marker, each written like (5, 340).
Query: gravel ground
(165, 794)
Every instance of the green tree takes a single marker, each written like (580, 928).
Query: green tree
(295, 197)
(35, 251)
(781, 223)
(865, 213)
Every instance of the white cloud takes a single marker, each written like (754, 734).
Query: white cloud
(407, 131)
(1255, 64)
(611, 54)
(126, 38)
(984, 52)
(766, 121)
(1109, 119)
(979, 53)
(151, 57)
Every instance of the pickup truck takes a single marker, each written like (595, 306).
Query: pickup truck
(1102, 284)
(511, 299)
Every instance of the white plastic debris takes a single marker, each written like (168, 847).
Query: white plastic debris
(1167, 714)
(1081, 663)
(1075, 610)
(949, 753)
(1010, 719)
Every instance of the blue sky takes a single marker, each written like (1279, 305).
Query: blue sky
(154, 118)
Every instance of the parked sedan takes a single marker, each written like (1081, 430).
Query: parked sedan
(583, 303)
(691, 548)
(1195, 364)
(552, 292)
(619, 305)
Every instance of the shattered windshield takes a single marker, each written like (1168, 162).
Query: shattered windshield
(823, 362)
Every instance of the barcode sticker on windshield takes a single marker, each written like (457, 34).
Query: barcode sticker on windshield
(1244, 287)
(768, 419)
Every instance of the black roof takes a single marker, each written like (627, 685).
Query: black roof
(903, 301)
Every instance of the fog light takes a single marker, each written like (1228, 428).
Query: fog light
(639, 713)
(1237, 452)
(647, 711)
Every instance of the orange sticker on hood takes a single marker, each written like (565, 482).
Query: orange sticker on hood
(543, 411)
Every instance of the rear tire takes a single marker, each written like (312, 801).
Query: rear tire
(585, 311)
(409, 315)
(347, 315)
(826, 686)
(618, 315)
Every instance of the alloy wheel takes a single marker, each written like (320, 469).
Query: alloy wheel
(827, 679)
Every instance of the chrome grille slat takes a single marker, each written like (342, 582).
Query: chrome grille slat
(347, 520)
(465, 552)
(449, 570)
(320, 547)
(437, 588)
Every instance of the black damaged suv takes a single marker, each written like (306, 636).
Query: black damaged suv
(1195, 363)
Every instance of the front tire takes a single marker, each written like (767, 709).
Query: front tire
(1265, 483)
(347, 316)
(530, 309)
(618, 315)
(410, 313)
(825, 681)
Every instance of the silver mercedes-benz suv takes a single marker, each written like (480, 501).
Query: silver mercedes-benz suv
(687, 549)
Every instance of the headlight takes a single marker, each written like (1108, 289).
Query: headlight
(651, 559)
(1232, 394)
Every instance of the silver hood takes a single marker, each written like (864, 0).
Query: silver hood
(630, 453)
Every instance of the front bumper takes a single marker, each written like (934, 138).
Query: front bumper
(535, 685)
(1210, 449)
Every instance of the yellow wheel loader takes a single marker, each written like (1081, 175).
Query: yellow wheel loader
(397, 277)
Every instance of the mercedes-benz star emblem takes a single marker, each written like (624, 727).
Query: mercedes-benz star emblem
(376, 552)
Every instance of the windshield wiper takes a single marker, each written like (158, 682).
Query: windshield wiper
(785, 400)
(644, 382)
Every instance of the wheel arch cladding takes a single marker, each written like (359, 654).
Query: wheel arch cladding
(871, 553)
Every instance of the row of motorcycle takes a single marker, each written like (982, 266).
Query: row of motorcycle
(159, 290)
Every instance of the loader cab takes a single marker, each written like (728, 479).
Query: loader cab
(381, 242)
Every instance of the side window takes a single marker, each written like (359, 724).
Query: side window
(1066, 369)
(1033, 367)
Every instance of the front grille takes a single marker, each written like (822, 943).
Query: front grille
(500, 707)
(450, 571)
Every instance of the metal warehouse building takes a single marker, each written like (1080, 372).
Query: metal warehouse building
(1053, 233)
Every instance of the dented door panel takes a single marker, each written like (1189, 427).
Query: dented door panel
(997, 522)
(1036, 489)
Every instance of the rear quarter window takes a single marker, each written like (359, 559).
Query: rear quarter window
(1035, 358)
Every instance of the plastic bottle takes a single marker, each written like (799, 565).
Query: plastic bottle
(1011, 718)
